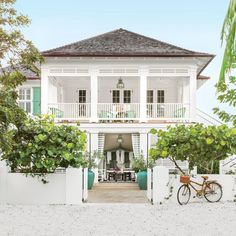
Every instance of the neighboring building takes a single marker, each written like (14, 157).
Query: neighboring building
(119, 85)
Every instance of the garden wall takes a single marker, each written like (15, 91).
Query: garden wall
(62, 188)
(163, 187)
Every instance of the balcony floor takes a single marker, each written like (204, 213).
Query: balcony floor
(65, 121)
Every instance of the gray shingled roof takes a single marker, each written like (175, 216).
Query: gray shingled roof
(121, 42)
(26, 72)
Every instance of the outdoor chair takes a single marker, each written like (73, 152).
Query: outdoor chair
(180, 113)
(131, 115)
(57, 112)
(104, 115)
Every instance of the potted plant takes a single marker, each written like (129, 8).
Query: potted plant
(140, 167)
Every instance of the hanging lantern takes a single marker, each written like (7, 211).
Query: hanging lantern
(119, 139)
(120, 84)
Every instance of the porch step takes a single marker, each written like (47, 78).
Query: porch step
(116, 193)
(116, 186)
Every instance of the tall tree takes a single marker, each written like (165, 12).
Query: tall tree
(16, 53)
(226, 86)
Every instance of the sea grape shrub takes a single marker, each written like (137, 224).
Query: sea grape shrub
(41, 146)
(201, 146)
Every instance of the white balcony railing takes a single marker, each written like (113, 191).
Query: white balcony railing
(167, 111)
(118, 111)
(70, 110)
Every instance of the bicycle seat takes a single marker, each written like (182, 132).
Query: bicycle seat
(205, 177)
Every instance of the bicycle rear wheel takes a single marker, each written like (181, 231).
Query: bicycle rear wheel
(183, 194)
(213, 192)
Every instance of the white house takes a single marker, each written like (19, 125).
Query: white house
(118, 85)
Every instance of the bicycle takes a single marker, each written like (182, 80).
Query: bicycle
(211, 190)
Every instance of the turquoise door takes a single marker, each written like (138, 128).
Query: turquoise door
(36, 101)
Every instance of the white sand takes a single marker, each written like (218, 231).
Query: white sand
(119, 219)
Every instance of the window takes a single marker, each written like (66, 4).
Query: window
(82, 96)
(127, 96)
(25, 99)
(116, 96)
(149, 96)
(160, 96)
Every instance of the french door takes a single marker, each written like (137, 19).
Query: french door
(121, 96)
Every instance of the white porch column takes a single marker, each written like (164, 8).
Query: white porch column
(144, 144)
(143, 94)
(94, 148)
(94, 94)
(44, 90)
(88, 142)
(192, 93)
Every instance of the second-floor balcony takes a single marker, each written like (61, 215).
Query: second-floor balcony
(127, 98)
(109, 112)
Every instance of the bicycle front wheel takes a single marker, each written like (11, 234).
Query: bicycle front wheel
(183, 194)
(213, 192)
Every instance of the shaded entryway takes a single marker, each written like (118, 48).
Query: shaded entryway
(118, 157)
(117, 193)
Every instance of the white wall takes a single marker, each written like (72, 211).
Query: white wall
(165, 186)
(70, 87)
(227, 182)
(173, 88)
(30, 83)
(169, 85)
(28, 190)
(107, 84)
(62, 188)
(53, 90)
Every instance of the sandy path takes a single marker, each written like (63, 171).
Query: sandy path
(119, 219)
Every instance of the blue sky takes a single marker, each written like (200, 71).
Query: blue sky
(191, 24)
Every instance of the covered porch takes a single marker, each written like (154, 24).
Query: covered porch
(117, 163)
(158, 99)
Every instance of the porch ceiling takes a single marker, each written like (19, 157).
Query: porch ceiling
(112, 144)
(71, 81)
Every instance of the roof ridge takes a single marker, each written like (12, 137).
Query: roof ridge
(149, 42)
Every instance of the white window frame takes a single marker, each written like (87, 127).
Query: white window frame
(153, 95)
(25, 101)
(131, 98)
(159, 89)
(86, 96)
(112, 95)
(121, 91)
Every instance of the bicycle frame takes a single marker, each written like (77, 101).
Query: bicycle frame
(203, 186)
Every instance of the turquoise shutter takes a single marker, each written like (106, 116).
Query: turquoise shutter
(36, 101)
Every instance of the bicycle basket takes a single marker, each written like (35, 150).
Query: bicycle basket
(184, 179)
